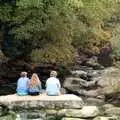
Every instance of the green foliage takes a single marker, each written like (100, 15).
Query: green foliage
(116, 41)
(5, 13)
(49, 26)
(53, 54)
(55, 29)
(29, 3)
(90, 32)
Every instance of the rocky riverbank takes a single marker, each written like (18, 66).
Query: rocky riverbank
(96, 86)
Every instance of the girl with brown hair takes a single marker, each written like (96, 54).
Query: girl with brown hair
(34, 85)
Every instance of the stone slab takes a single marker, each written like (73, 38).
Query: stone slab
(42, 101)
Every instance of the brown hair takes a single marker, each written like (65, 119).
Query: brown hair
(34, 80)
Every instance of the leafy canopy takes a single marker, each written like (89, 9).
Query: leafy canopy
(51, 31)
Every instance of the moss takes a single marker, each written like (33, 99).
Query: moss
(54, 118)
(10, 116)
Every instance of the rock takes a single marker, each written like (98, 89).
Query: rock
(63, 91)
(41, 101)
(102, 83)
(89, 93)
(92, 62)
(109, 81)
(94, 73)
(113, 111)
(94, 101)
(88, 84)
(7, 117)
(1, 111)
(107, 106)
(52, 118)
(75, 85)
(31, 115)
(2, 56)
(85, 112)
(79, 73)
(72, 83)
(62, 112)
(51, 112)
(106, 118)
(65, 118)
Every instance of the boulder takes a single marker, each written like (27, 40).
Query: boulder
(109, 81)
(94, 101)
(113, 111)
(79, 73)
(85, 112)
(65, 118)
(106, 118)
(107, 106)
(92, 62)
(72, 83)
(75, 84)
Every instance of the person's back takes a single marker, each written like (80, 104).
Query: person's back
(34, 85)
(22, 84)
(53, 86)
(35, 88)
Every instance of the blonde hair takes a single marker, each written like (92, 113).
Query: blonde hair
(53, 74)
(34, 80)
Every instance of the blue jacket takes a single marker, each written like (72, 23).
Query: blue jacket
(22, 86)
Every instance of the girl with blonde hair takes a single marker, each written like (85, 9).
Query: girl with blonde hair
(34, 85)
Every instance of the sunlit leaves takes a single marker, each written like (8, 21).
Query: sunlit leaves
(53, 54)
(29, 3)
(5, 11)
(52, 25)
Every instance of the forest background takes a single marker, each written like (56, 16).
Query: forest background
(55, 31)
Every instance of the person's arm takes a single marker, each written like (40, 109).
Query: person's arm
(17, 84)
(58, 84)
(28, 83)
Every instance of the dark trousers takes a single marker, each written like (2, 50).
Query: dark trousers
(33, 93)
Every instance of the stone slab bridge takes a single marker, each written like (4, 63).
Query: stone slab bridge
(43, 107)
(41, 101)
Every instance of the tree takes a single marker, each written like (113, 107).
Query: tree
(91, 33)
(51, 31)
(37, 23)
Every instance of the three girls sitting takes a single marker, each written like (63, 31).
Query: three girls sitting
(26, 86)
